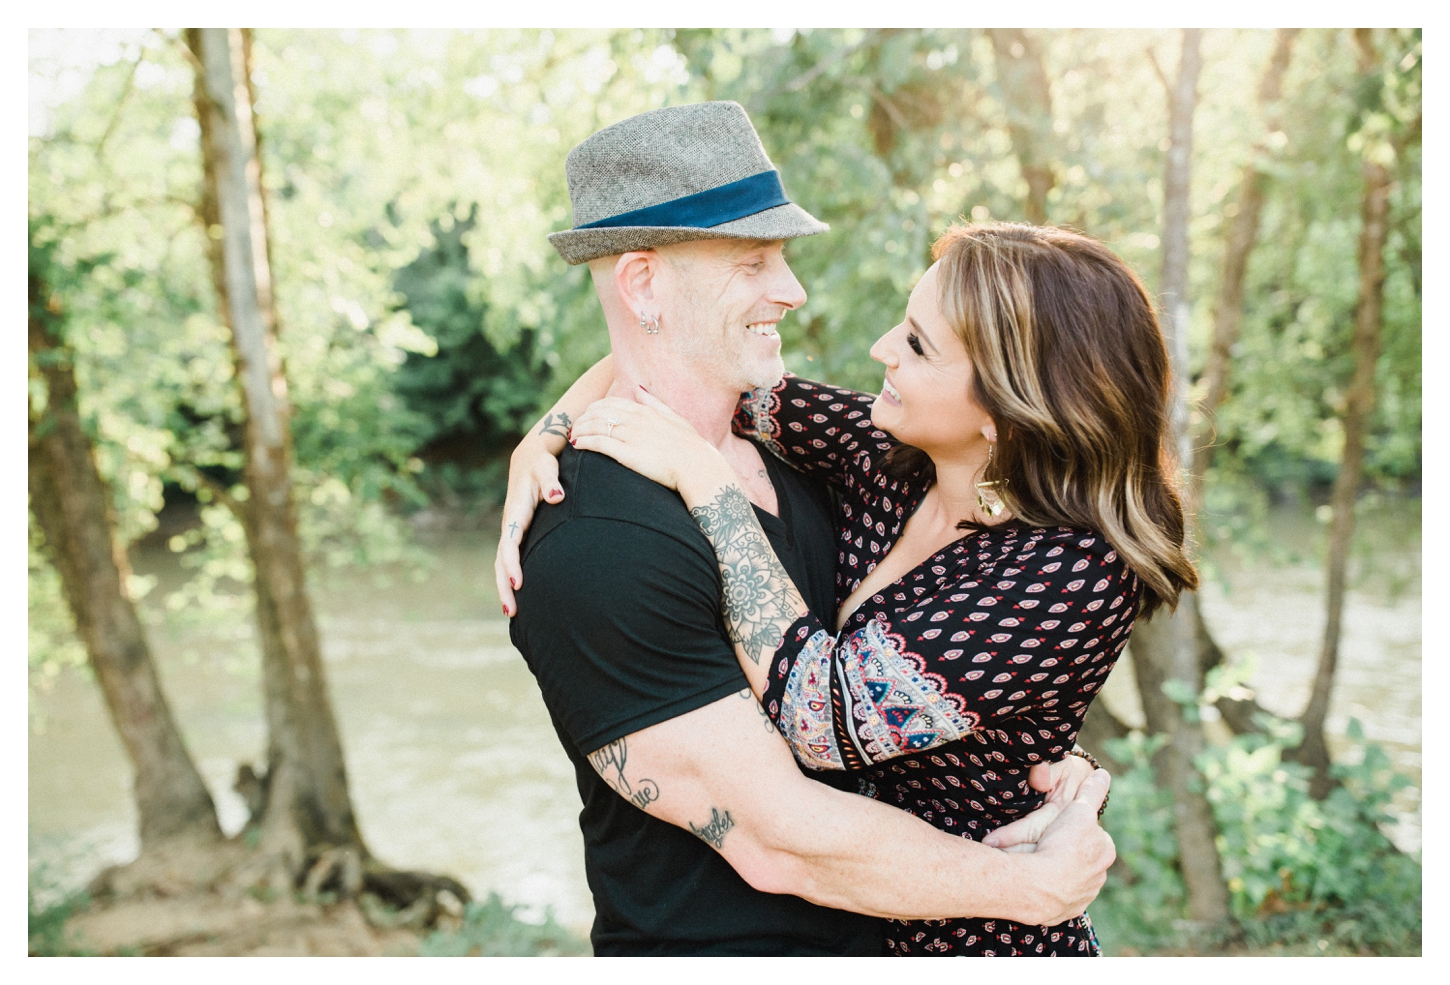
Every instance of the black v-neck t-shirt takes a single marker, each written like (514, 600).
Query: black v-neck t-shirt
(619, 620)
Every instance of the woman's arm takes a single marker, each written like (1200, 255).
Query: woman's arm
(759, 601)
(767, 619)
(534, 474)
(820, 429)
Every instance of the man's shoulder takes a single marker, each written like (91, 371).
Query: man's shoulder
(614, 520)
(608, 506)
(606, 490)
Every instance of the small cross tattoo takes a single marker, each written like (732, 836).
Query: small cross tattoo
(513, 529)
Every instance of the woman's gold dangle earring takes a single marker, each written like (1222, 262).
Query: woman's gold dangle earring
(992, 507)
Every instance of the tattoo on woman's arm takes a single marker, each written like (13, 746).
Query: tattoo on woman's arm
(557, 424)
(759, 599)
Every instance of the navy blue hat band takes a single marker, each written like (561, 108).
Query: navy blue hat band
(708, 208)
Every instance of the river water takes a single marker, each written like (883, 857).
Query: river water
(454, 766)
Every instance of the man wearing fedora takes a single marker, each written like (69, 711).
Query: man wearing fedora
(701, 834)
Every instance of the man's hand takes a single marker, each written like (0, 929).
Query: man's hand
(1062, 781)
(1072, 858)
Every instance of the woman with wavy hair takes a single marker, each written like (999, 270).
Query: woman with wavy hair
(1007, 512)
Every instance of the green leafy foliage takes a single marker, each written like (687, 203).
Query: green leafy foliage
(477, 400)
(1145, 893)
(1299, 871)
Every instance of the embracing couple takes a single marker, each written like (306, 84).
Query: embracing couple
(819, 657)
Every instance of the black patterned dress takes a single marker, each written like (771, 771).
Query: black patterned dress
(944, 689)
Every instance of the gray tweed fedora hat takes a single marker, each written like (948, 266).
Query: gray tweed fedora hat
(671, 175)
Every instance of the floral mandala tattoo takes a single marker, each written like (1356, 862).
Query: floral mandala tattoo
(759, 600)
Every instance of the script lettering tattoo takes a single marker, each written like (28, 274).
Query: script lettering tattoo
(648, 793)
(609, 762)
(758, 598)
(749, 695)
(713, 833)
(557, 424)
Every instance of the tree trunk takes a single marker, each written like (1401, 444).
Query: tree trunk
(1165, 649)
(1243, 234)
(1359, 404)
(308, 809)
(1027, 95)
(1098, 728)
(70, 502)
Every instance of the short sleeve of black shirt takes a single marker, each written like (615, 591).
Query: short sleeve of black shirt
(619, 620)
(636, 609)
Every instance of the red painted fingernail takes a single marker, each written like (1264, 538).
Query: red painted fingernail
(514, 585)
(557, 492)
(505, 610)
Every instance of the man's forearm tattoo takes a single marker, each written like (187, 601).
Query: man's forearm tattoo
(609, 762)
(557, 424)
(713, 833)
(758, 598)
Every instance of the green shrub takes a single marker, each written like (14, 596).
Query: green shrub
(1144, 895)
(1305, 876)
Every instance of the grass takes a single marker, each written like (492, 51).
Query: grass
(47, 927)
(491, 929)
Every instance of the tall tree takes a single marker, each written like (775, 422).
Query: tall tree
(72, 506)
(1242, 236)
(301, 805)
(1165, 648)
(1240, 240)
(307, 807)
(1359, 404)
(1027, 95)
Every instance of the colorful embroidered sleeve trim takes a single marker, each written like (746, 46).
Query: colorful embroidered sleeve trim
(805, 716)
(757, 416)
(891, 704)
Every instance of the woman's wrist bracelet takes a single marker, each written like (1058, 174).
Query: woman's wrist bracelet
(1092, 761)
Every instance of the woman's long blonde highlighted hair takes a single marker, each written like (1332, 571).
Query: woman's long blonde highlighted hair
(1068, 358)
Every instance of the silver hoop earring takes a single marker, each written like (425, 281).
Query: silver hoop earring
(654, 325)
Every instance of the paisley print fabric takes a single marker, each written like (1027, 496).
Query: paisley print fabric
(806, 705)
(891, 704)
(943, 689)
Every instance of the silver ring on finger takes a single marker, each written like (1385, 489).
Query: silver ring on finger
(611, 422)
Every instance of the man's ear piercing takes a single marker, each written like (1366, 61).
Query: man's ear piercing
(654, 328)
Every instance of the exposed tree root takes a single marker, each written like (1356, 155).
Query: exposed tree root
(235, 896)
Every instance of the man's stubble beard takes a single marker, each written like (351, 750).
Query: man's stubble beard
(717, 354)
